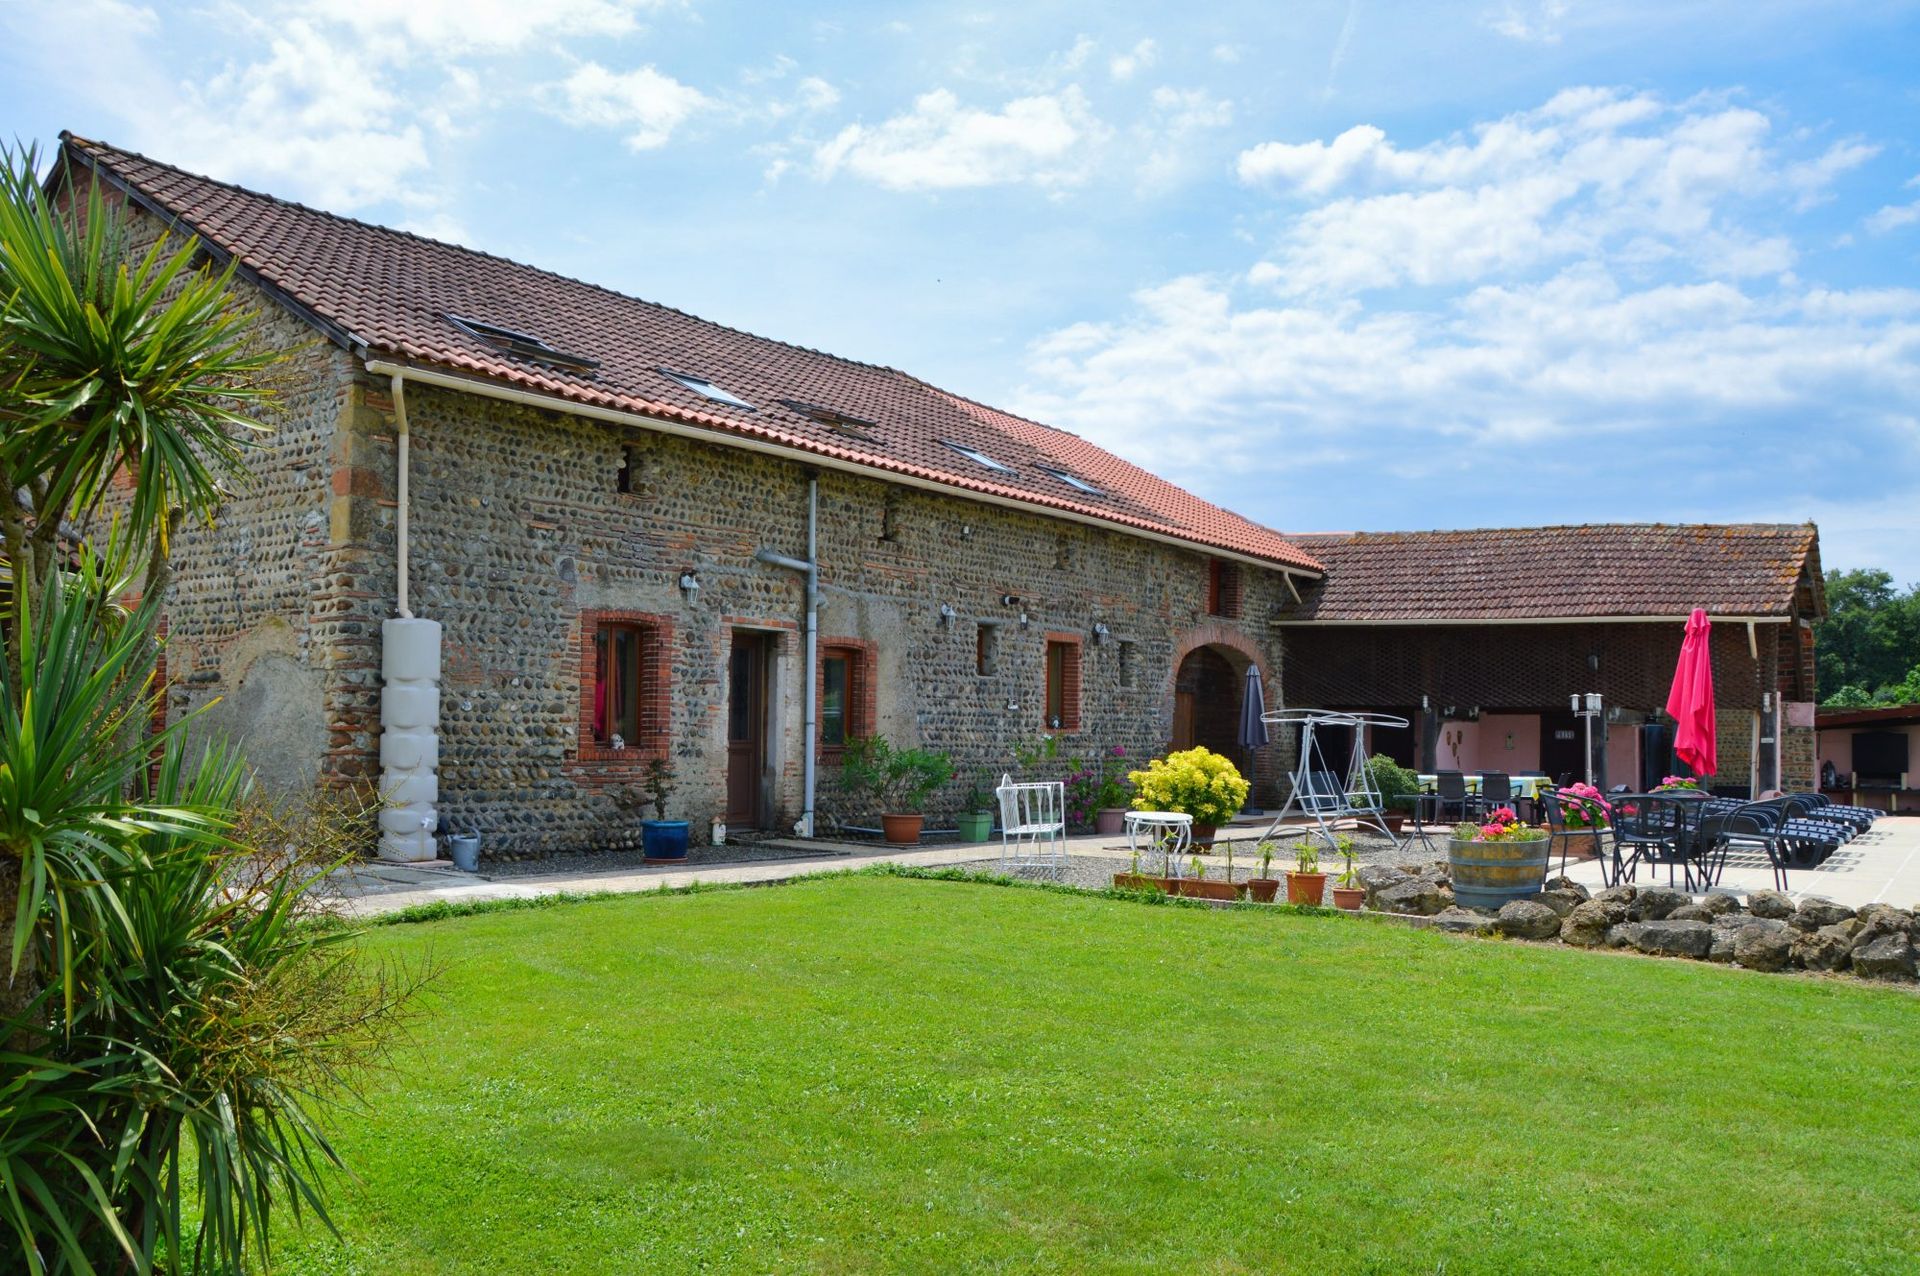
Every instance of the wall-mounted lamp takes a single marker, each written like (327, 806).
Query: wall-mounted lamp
(1426, 704)
(1593, 662)
(1013, 706)
(966, 531)
(1023, 620)
(1100, 633)
(947, 613)
(690, 584)
(1008, 600)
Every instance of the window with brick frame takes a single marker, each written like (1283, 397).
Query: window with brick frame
(846, 693)
(625, 672)
(1063, 682)
(1223, 588)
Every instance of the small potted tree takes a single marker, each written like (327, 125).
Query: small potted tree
(976, 815)
(1264, 888)
(661, 840)
(1399, 788)
(1197, 782)
(902, 779)
(1306, 884)
(1347, 891)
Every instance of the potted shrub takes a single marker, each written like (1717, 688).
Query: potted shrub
(1097, 793)
(901, 778)
(1197, 782)
(661, 840)
(1306, 884)
(976, 817)
(1500, 860)
(1584, 811)
(1264, 888)
(1347, 891)
(1398, 787)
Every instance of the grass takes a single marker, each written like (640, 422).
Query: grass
(873, 1073)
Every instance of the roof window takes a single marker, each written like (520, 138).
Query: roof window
(1073, 481)
(706, 389)
(979, 458)
(840, 422)
(522, 345)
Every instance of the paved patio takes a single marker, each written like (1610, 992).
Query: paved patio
(1880, 866)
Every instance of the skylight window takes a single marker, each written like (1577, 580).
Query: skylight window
(1074, 481)
(522, 345)
(706, 389)
(837, 420)
(979, 458)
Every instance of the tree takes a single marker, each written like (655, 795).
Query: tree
(111, 362)
(1870, 639)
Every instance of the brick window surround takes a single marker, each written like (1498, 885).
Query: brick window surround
(858, 716)
(1063, 683)
(1223, 588)
(653, 636)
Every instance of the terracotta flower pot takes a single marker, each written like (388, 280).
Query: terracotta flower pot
(1200, 888)
(1110, 821)
(1349, 897)
(1203, 836)
(1141, 882)
(1394, 822)
(1263, 889)
(1306, 888)
(902, 830)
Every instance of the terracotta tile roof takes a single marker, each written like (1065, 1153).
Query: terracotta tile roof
(1610, 570)
(388, 294)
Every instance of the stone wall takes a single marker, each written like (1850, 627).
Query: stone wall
(518, 527)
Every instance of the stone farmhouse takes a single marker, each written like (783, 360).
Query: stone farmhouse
(514, 537)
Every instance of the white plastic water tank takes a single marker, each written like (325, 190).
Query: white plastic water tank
(409, 738)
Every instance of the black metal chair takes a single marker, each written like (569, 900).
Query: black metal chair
(1451, 797)
(1556, 818)
(1756, 825)
(1650, 829)
(1496, 791)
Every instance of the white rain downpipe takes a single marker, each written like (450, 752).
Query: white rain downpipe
(810, 720)
(410, 694)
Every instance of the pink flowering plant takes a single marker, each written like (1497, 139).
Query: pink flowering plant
(1501, 825)
(1098, 784)
(1584, 807)
(1684, 783)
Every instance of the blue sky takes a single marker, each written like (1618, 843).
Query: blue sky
(1335, 265)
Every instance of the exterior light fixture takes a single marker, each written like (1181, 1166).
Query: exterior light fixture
(1100, 633)
(947, 613)
(690, 584)
(1023, 620)
(1587, 707)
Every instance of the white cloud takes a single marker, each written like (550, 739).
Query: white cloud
(643, 103)
(815, 94)
(1227, 53)
(1124, 66)
(1169, 136)
(1592, 173)
(1044, 140)
(468, 26)
(1533, 23)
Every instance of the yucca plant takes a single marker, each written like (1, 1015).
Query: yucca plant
(113, 360)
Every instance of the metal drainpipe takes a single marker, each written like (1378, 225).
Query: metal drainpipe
(402, 466)
(810, 567)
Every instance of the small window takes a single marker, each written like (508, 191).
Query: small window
(1126, 663)
(986, 649)
(1063, 684)
(1074, 481)
(626, 480)
(835, 678)
(618, 680)
(1223, 588)
(705, 388)
(980, 458)
(522, 345)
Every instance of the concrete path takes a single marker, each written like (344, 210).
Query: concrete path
(1881, 866)
(373, 888)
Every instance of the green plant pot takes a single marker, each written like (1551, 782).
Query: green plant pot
(975, 826)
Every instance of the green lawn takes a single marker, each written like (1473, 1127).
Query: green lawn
(870, 1074)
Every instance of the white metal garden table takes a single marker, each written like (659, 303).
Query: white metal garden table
(1167, 833)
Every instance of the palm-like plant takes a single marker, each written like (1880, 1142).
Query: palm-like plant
(112, 361)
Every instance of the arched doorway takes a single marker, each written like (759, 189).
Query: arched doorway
(1207, 692)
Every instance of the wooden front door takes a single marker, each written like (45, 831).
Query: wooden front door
(1563, 747)
(746, 730)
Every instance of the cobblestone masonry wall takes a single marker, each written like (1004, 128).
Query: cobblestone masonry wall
(518, 527)
(250, 634)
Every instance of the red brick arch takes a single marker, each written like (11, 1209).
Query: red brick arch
(1234, 643)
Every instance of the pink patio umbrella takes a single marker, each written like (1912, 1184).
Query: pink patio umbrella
(1690, 703)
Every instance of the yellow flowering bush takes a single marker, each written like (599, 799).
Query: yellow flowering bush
(1197, 782)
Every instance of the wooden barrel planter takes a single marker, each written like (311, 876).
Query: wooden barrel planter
(1488, 874)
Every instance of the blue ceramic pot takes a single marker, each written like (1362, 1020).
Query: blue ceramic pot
(664, 839)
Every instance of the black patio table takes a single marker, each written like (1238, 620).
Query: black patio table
(1655, 829)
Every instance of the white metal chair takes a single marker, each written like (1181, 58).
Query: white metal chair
(1033, 826)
